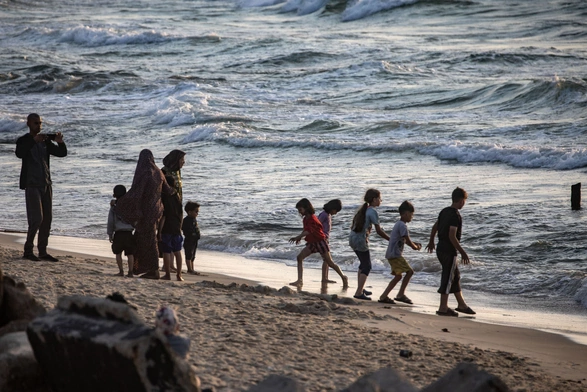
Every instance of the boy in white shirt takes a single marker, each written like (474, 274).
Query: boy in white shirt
(398, 237)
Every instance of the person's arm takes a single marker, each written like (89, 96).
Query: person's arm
(59, 149)
(452, 236)
(110, 226)
(25, 143)
(381, 233)
(160, 227)
(413, 245)
(430, 247)
(298, 238)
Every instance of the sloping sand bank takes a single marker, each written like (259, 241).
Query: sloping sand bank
(239, 336)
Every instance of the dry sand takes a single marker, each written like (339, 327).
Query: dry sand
(239, 337)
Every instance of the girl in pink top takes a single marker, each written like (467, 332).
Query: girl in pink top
(331, 208)
(315, 242)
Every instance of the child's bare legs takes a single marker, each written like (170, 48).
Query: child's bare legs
(167, 260)
(325, 274)
(361, 280)
(131, 262)
(402, 289)
(303, 254)
(391, 285)
(119, 262)
(327, 257)
(179, 262)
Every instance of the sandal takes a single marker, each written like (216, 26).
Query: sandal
(367, 292)
(466, 311)
(386, 300)
(449, 312)
(404, 299)
(362, 296)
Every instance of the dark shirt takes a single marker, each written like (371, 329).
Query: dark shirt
(448, 217)
(35, 171)
(172, 213)
(191, 231)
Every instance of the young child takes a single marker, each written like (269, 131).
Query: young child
(331, 208)
(191, 234)
(120, 234)
(360, 230)
(169, 233)
(398, 237)
(315, 242)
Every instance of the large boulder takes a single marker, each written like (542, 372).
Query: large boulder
(465, 377)
(19, 371)
(279, 383)
(92, 344)
(386, 379)
(17, 305)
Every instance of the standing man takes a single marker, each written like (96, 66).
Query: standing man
(34, 149)
(449, 226)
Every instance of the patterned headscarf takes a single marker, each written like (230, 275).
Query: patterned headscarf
(166, 321)
(171, 160)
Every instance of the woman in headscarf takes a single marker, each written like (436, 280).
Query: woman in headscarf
(172, 165)
(141, 206)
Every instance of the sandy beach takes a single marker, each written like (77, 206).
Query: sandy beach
(240, 336)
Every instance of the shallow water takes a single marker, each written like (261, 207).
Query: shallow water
(413, 98)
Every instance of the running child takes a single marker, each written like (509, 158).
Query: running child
(398, 237)
(315, 242)
(120, 234)
(365, 217)
(191, 234)
(331, 208)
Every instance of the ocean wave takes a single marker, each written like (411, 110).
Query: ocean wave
(362, 8)
(515, 156)
(104, 36)
(258, 3)
(303, 7)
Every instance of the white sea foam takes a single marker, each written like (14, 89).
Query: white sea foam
(102, 36)
(258, 3)
(522, 157)
(362, 8)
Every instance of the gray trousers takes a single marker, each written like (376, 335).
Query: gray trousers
(39, 211)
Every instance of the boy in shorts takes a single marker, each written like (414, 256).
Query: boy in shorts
(120, 234)
(398, 237)
(449, 226)
(169, 233)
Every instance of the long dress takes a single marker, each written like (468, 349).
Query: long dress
(143, 208)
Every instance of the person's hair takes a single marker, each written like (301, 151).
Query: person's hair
(459, 194)
(306, 205)
(334, 204)
(170, 181)
(119, 191)
(191, 206)
(32, 116)
(406, 206)
(360, 216)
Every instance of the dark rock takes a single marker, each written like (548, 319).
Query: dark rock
(383, 380)
(19, 371)
(93, 344)
(278, 383)
(465, 377)
(17, 307)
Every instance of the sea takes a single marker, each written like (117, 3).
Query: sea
(274, 101)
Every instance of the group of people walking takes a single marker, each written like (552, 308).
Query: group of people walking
(153, 209)
(448, 227)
